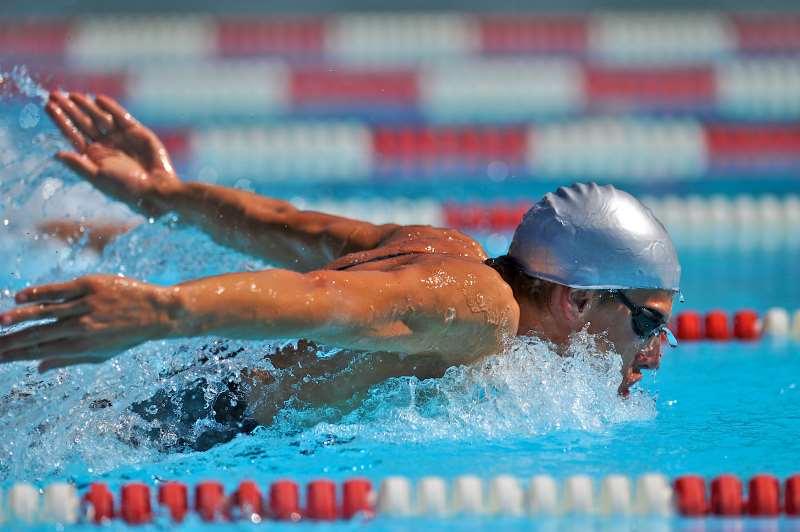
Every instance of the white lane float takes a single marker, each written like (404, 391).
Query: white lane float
(578, 495)
(394, 497)
(615, 495)
(23, 503)
(505, 496)
(467, 495)
(431, 496)
(542, 496)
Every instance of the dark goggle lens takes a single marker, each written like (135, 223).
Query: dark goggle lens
(644, 324)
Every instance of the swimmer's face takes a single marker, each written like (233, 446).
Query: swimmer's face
(610, 319)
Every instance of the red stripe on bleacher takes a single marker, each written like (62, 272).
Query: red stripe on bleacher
(463, 143)
(481, 216)
(669, 86)
(767, 33)
(33, 38)
(747, 141)
(176, 141)
(338, 86)
(110, 84)
(282, 36)
(534, 34)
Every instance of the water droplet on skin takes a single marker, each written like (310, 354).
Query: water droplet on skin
(29, 116)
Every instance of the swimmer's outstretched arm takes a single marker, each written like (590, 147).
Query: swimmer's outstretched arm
(128, 162)
(272, 228)
(98, 317)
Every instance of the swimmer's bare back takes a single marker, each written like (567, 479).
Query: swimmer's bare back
(414, 291)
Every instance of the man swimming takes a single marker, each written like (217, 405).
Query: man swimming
(399, 300)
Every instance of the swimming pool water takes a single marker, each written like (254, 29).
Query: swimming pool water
(710, 409)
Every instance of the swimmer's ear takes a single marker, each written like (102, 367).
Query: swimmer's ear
(568, 305)
(580, 301)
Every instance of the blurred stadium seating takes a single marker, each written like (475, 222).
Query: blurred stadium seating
(672, 96)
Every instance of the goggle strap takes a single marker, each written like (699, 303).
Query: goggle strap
(671, 340)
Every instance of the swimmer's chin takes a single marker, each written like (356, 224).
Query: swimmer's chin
(630, 377)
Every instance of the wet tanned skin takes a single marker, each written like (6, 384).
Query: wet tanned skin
(419, 297)
(434, 306)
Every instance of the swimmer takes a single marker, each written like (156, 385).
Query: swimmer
(397, 299)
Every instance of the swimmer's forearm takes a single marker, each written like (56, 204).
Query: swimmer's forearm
(323, 306)
(270, 228)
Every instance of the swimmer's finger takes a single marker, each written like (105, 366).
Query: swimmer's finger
(76, 115)
(78, 163)
(47, 350)
(66, 126)
(43, 311)
(122, 118)
(28, 344)
(102, 120)
(52, 292)
(62, 362)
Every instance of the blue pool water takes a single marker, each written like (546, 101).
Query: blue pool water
(710, 409)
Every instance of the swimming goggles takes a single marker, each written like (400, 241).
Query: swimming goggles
(646, 322)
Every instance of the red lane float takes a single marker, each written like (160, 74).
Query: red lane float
(209, 500)
(726, 496)
(717, 325)
(690, 494)
(791, 494)
(689, 326)
(746, 325)
(247, 499)
(284, 500)
(321, 500)
(174, 496)
(356, 497)
(100, 503)
(135, 506)
(764, 497)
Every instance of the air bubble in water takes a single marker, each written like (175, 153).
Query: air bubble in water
(29, 116)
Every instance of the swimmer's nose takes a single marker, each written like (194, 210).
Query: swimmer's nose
(651, 361)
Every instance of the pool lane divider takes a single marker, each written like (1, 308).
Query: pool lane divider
(397, 496)
(716, 325)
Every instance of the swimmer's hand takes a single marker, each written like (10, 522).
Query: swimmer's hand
(95, 318)
(113, 151)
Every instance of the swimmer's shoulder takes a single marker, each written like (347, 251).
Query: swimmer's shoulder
(443, 239)
(475, 294)
(403, 243)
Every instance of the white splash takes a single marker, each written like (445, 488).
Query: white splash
(527, 391)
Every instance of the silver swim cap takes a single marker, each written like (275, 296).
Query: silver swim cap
(595, 237)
